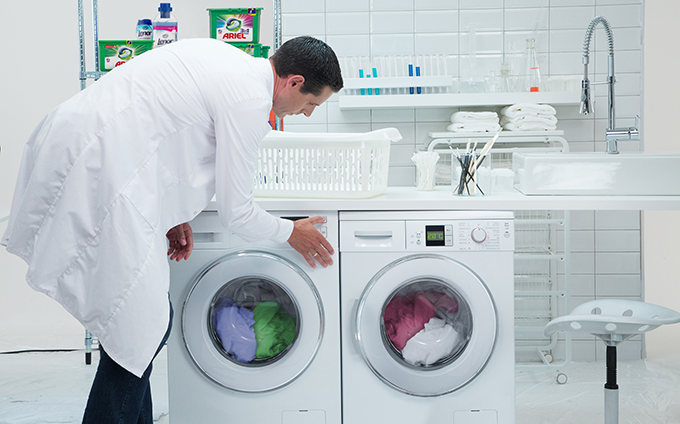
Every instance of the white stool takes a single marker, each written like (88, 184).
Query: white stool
(613, 321)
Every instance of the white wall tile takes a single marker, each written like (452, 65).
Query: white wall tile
(303, 23)
(621, 15)
(617, 263)
(579, 284)
(342, 23)
(626, 106)
(565, 112)
(406, 129)
(624, 39)
(581, 263)
(350, 45)
(304, 128)
(521, 19)
(401, 176)
(567, 63)
(385, 5)
(485, 43)
(582, 146)
(617, 220)
(566, 40)
(626, 85)
(624, 61)
(387, 116)
(525, 3)
(618, 285)
(352, 116)
(617, 241)
(481, 4)
(349, 128)
(437, 43)
(577, 130)
(436, 4)
(440, 115)
(571, 17)
(304, 6)
(400, 155)
(391, 22)
(436, 21)
(347, 5)
(572, 2)
(608, 2)
(581, 241)
(483, 20)
(382, 44)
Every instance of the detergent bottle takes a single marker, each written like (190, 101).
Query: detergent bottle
(164, 26)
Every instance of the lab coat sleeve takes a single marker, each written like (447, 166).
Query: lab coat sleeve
(238, 133)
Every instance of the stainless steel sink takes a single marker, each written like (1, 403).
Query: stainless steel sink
(595, 174)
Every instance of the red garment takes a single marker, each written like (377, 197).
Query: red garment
(405, 316)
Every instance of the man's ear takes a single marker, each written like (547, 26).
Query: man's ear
(296, 80)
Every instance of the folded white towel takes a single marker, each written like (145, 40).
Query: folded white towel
(527, 109)
(473, 128)
(474, 117)
(529, 126)
(526, 119)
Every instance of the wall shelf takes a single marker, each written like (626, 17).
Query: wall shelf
(456, 100)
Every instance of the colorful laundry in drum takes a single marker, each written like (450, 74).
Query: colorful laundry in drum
(261, 333)
(414, 330)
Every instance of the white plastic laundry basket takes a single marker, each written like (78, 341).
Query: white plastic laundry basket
(324, 165)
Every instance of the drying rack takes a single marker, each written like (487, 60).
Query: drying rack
(84, 76)
(542, 260)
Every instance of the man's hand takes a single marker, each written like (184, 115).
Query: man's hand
(309, 242)
(181, 242)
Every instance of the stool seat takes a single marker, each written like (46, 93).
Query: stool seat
(613, 320)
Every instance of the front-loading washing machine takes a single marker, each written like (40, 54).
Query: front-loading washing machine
(427, 317)
(256, 333)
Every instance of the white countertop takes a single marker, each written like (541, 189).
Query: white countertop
(408, 198)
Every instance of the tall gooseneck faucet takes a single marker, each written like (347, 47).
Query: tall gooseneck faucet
(613, 134)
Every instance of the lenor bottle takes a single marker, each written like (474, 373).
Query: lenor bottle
(164, 26)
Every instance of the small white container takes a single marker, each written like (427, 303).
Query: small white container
(324, 165)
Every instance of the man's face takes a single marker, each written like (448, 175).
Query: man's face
(292, 102)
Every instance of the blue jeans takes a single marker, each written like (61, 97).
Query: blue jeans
(119, 397)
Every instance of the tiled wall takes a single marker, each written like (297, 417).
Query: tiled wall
(606, 245)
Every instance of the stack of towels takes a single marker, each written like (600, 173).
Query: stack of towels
(474, 122)
(528, 117)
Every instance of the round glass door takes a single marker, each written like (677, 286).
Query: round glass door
(252, 321)
(426, 325)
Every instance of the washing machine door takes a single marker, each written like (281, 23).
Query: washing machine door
(253, 321)
(426, 325)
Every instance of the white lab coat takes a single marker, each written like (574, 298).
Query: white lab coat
(106, 174)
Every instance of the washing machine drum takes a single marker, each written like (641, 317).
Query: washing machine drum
(253, 321)
(426, 325)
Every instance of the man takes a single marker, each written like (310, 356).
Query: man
(113, 171)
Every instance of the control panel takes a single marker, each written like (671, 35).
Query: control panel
(460, 235)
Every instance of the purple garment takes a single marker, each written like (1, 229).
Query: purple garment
(234, 326)
(405, 316)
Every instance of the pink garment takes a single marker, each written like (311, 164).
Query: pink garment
(440, 300)
(405, 316)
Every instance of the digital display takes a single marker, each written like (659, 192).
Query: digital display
(434, 235)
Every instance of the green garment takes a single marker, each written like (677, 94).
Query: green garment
(274, 329)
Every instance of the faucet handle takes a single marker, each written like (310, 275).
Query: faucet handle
(637, 122)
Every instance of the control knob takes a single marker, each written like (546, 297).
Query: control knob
(478, 235)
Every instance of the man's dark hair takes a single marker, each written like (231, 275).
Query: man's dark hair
(311, 58)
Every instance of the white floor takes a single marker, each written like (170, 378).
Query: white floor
(52, 388)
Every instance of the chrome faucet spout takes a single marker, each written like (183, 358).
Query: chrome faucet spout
(613, 134)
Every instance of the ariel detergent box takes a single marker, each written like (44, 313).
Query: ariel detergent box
(114, 53)
(235, 25)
